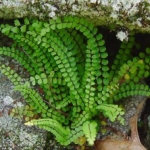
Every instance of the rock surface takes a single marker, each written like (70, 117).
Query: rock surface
(132, 143)
(133, 15)
(14, 135)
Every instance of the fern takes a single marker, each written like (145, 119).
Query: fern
(89, 129)
(66, 58)
(53, 126)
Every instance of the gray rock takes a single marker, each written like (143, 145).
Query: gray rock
(14, 135)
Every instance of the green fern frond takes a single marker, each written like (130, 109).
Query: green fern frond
(111, 111)
(123, 55)
(11, 74)
(132, 89)
(33, 98)
(52, 126)
(90, 131)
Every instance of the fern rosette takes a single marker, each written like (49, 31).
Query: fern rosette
(67, 58)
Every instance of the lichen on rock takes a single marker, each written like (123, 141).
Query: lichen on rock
(131, 14)
(13, 133)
